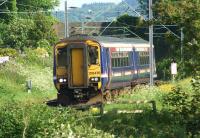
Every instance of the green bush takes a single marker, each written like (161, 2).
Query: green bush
(39, 56)
(179, 100)
(196, 82)
(46, 45)
(186, 106)
(2, 32)
(42, 121)
(163, 69)
(11, 121)
(8, 52)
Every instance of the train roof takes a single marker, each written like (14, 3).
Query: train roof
(120, 40)
(111, 41)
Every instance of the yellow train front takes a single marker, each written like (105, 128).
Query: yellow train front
(85, 67)
(77, 70)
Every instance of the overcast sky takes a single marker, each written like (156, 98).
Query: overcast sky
(79, 3)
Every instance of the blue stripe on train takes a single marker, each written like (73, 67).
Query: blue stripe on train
(123, 79)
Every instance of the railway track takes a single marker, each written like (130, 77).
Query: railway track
(109, 97)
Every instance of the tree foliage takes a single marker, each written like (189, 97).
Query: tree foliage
(17, 34)
(128, 26)
(36, 4)
(185, 14)
(9, 6)
(43, 28)
(186, 104)
(22, 30)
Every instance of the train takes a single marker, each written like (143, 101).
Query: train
(86, 66)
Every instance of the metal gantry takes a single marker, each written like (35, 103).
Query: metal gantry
(66, 21)
(151, 51)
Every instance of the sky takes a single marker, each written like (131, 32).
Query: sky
(79, 3)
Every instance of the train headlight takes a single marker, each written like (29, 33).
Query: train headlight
(92, 79)
(95, 79)
(61, 80)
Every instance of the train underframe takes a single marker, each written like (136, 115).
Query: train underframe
(91, 95)
(78, 96)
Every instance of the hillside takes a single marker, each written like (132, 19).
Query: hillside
(94, 10)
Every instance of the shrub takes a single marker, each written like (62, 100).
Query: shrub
(186, 105)
(166, 87)
(2, 32)
(41, 53)
(42, 121)
(163, 69)
(179, 100)
(196, 82)
(8, 52)
(38, 56)
(11, 121)
(45, 45)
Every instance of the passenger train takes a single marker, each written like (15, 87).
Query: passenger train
(87, 66)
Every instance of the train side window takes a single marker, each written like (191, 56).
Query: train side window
(147, 57)
(62, 57)
(120, 59)
(143, 58)
(92, 55)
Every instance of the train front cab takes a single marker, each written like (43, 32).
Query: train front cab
(77, 69)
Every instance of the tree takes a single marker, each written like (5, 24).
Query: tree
(9, 6)
(35, 5)
(17, 34)
(143, 7)
(186, 14)
(26, 30)
(43, 29)
(132, 25)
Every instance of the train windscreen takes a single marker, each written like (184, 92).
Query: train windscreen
(62, 57)
(92, 55)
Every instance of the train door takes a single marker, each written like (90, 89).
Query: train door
(77, 73)
(78, 66)
(108, 67)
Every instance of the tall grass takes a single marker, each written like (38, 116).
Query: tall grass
(15, 74)
(24, 114)
(42, 121)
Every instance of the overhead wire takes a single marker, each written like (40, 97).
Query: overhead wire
(115, 19)
(95, 16)
(39, 11)
(25, 12)
(3, 2)
(131, 25)
(25, 5)
(131, 31)
(154, 19)
(107, 26)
